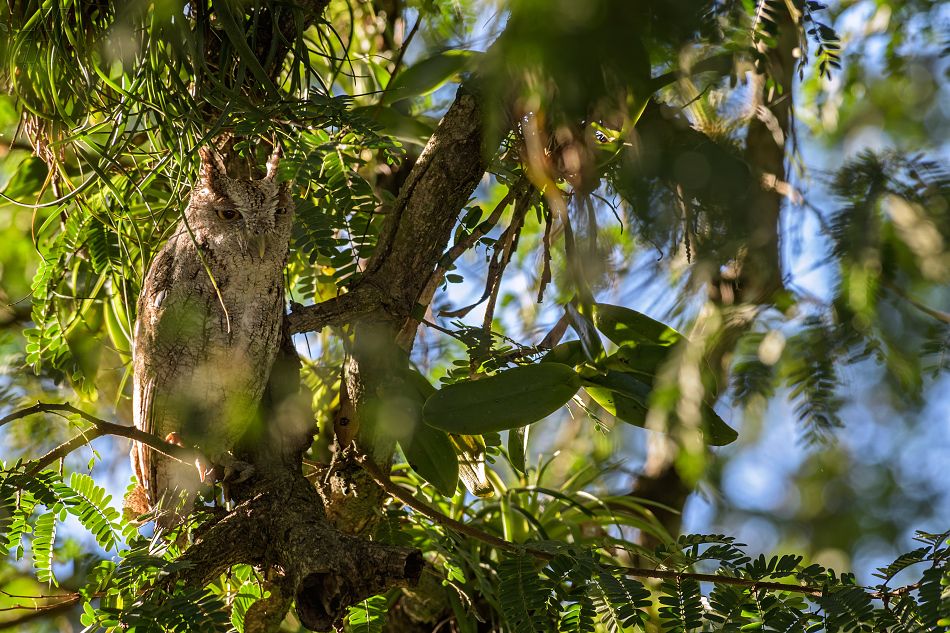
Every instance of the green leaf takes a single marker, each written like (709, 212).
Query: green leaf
(522, 594)
(248, 594)
(26, 182)
(368, 616)
(431, 454)
(44, 534)
(715, 431)
(627, 397)
(407, 129)
(591, 345)
(622, 394)
(624, 326)
(517, 446)
(569, 353)
(644, 359)
(507, 400)
(429, 74)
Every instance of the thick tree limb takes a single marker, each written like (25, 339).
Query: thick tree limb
(412, 240)
(324, 570)
(339, 310)
(417, 229)
(280, 526)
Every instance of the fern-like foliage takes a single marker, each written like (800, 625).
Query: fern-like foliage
(774, 594)
(689, 549)
(826, 39)
(369, 616)
(135, 595)
(581, 589)
(523, 594)
(622, 601)
(681, 608)
(23, 496)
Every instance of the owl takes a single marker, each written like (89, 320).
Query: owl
(208, 330)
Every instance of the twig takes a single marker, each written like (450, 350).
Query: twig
(890, 285)
(41, 612)
(408, 332)
(402, 51)
(509, 240)
(722, 580)
(100, 428)
(403, 495)
(399, 493)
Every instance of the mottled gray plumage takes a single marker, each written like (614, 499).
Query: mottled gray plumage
(208, 326)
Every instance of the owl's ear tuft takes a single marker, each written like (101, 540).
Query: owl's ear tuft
(272, 162)
(212, 167)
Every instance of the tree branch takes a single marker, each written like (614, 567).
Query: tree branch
(100, 428)
(417, 229)
(339, 310)
(890, 285)
(722, 580)
(280, 525)
(408, 332)
(45, 611)
(413, 238)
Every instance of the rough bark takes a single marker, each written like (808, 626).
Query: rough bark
(280, 526)
(412, 240)
(280, 523)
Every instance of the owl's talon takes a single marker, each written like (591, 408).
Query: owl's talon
(205, 469)
(243, 469)
(233, 467)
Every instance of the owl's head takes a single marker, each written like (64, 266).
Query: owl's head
(252, 216)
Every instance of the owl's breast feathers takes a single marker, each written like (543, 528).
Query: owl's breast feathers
(203, 351)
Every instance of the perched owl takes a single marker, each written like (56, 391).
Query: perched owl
(208, 329)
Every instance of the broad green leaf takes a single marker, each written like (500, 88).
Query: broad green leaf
(569, 353)
(26, 182)
(591, 345)
(406, 129)
(622, 394)
(644, 359)
(624, 326)
(627, 397)
(429, 74)
(715, 431)
(431, 454)
(507, 400)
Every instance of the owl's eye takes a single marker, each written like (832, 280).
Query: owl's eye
(227, 214)
(281, 210)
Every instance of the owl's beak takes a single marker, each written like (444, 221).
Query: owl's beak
(261, 240)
